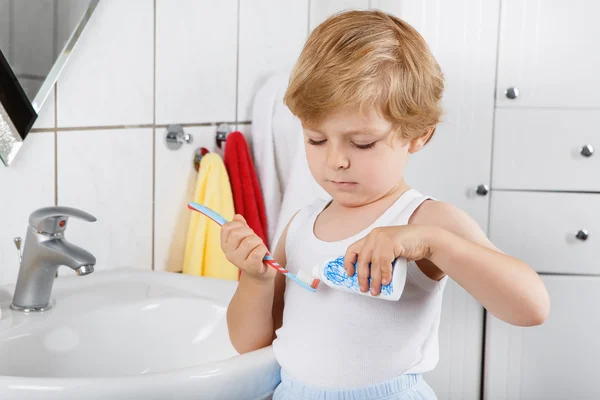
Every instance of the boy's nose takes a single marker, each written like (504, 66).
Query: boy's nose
(337, 160)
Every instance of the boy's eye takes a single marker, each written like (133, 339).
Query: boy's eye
(316, 142)
(364, 146)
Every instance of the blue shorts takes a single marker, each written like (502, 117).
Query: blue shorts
(404, 387)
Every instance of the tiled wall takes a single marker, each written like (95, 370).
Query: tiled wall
(142, 64)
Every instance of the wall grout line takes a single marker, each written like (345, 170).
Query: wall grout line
(154, 146)
(55, 149)
(55, 144)
(116, 127)
(237, 67)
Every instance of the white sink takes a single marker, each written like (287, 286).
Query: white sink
(129, 334)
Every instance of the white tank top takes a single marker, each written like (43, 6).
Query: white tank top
(336, 339)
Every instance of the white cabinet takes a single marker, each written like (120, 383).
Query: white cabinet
(549, 52)
(545, 203)
(555, 361)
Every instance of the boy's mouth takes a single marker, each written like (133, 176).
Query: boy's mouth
(344, 184)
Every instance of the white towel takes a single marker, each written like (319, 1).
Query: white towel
(280, 157)
(302, 190)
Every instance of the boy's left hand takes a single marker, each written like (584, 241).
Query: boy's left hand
(381, 247)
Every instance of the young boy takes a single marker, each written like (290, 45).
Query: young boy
(367, 90)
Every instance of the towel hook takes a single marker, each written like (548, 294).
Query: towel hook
(223, 130)
(176, 137)
(198, 154)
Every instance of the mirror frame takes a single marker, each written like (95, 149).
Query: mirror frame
(17, 112)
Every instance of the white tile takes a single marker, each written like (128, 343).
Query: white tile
(196, 55)
(28, 184)
(108, 173)
(393, 7)
(174, 187)
(45, 119)
(272, 34)
(320, 10)
(109, 77)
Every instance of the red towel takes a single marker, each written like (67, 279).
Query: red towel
(247, 196)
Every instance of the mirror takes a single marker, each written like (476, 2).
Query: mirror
(36, 40)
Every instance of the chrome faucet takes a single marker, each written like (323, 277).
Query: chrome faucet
(45, 250)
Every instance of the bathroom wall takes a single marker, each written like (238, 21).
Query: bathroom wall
(143, 64)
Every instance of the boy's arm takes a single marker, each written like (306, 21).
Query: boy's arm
(256, 308)
(506, 286)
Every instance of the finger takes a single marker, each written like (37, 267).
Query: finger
(364, 259)
(229, 227)
(247, 245)
(351, 256)
(236, 236)
(376, 270)
(239, 217)
(385, 264)
(375, 277)
(384, 259)
(256, 256)
(242, 252)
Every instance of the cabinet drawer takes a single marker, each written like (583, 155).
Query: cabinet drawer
(541, 229)
(544, 149)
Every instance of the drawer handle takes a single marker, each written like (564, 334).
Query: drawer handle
(582, 234)
(587, 150)
(482, 190)
(512, 93)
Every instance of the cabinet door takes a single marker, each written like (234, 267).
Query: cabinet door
(555, 361)
(548, 52)
(458, 373)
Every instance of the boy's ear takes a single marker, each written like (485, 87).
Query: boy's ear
(418, 143)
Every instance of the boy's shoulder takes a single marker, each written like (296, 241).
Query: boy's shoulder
(447, 216)
(431, 211)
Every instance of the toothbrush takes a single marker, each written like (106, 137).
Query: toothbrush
(308, 284)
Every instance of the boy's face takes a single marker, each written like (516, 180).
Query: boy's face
(357, 160)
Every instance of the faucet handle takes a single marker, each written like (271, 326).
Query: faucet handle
(52, 220)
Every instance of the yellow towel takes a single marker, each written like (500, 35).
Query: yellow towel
(203, 253)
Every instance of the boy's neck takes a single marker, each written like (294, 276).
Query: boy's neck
(384, 201)
(355, 219)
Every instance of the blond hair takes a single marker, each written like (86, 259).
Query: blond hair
(358, 60)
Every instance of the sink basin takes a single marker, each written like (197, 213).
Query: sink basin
(130, 334)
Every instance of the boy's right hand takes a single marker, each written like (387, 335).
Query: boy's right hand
(245, 249)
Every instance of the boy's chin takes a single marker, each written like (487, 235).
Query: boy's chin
(349, 200)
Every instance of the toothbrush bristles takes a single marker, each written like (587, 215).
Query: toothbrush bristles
(308, 279)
